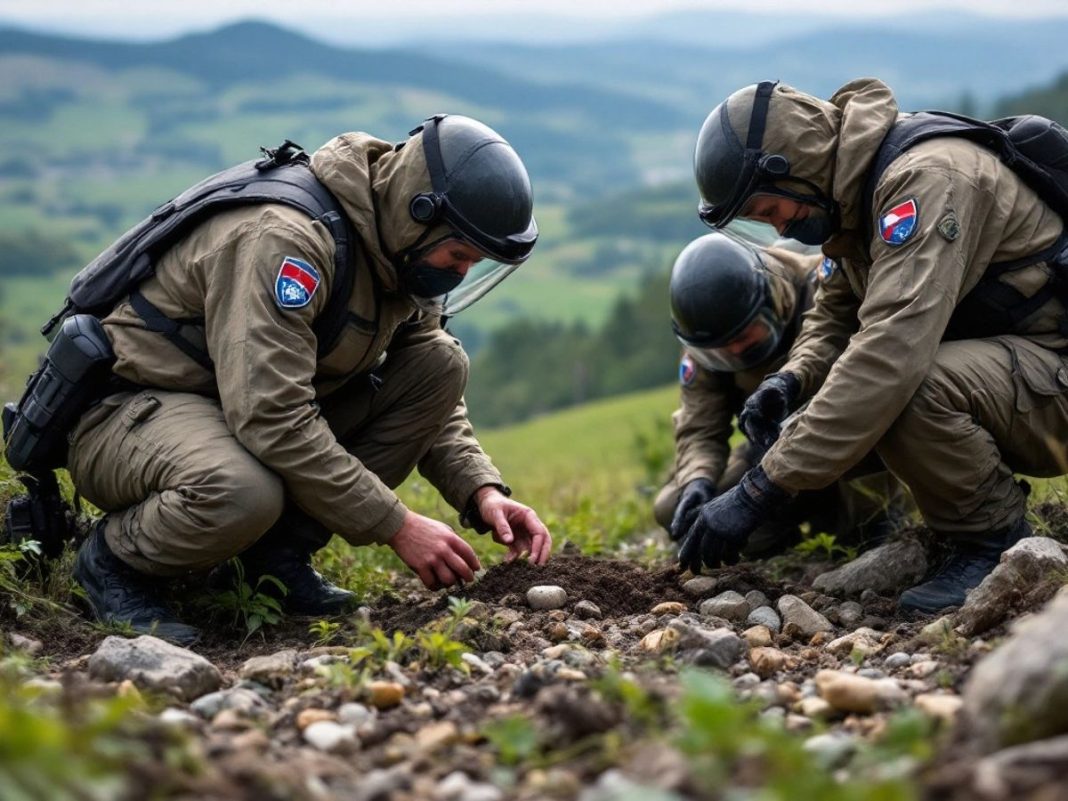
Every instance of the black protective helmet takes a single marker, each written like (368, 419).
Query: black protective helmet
(728, 173)
(721, 305)
(480, 188)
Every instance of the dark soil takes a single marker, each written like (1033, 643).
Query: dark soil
(618, 588)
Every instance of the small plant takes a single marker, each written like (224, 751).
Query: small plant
(825, 545)
(250, 606)
(459, 608)
(325, 631)
(438, 650)
(514, 738)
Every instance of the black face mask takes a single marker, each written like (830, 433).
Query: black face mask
(815, 229)
(423, 280)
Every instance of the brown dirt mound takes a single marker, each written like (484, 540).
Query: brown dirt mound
(618, 588)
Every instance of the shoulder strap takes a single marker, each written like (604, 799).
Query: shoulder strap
(919, 127)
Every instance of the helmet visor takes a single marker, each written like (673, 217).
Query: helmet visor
(482, 276)
(753, 345)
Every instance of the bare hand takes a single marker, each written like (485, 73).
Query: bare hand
(437, 554)
(515, 525)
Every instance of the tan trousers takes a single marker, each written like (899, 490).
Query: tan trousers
(987, 409)
(182, 494)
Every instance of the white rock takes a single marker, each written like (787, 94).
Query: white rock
(475, 663)
(354, 715)
(727, 605)
(546, 596)
(800, 620)
(851, 693)
(334, 738)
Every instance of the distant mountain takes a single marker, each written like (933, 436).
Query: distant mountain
(934, 64)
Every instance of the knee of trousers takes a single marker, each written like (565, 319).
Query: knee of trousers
(453, 369)
(241, 502)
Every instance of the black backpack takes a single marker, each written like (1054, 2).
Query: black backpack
(282, 176)
(1033, 147)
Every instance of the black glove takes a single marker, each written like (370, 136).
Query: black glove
(724, 524)
(694, 495)
(767, 407)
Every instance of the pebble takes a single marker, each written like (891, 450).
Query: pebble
(850, 614)
(850, 693)
(173, 716)
(764, 616)
(331, 737)
(385, 694)
(863, 641)
(700, 585)
(658, 641)
(668, 608)
(801, 621)
(832, 750)
(251, 740)
(815, 708)
(728, 605)
(546, 596)
(557, 632)
(757, 636)
(897, 660)
(587, 610)
(940, 706)
(353, 714)
(756, 599)
(766, 661)
(921, 670)
(747, 681)
(312, 715)
(475, 663)
(435, 736)
(270, 670)
(457, 786)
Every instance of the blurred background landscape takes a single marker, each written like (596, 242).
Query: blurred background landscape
(95, 132)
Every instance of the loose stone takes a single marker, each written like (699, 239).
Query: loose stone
(699, 586)
(328, 736)
(385, 694)
(587, 610)
(546, 596)
(668, 608)
(765, 616)
(728, 605)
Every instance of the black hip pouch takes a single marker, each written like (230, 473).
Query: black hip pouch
(73, 376)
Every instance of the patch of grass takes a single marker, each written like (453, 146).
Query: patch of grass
(252, 608)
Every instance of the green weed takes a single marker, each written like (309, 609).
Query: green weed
(514, 738)
(325, 631)
(826, 546)
(251, 608)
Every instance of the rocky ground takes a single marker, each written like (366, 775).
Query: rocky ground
(588, 679)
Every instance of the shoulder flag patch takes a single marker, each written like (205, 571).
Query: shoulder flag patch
(826, 269)
(296, 283)
(687, 370)
(897, 225)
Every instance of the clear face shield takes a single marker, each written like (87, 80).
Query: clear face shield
(754, 343)
(450, 275)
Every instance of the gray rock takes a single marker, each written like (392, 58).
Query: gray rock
(1026, 565)
(587, 610)
(756, 599)
(152, 664)
(326, 735)
(850, 613)
(381, 784)
(700, 586)
(546, 596)
(897, 660)
(475, 663)
(727, 605)
(719, 648)
(886, 569)
(178, 718)
(765, 616)
(612, 785)
(27, 645)
(270, 670)
(247, 703)
(1019, 771)
(1019, 692)
(353, 714)
(799, 620)
(458, 786)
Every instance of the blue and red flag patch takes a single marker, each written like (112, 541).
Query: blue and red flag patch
(826, 269)
(296, 283)
(897, 225)
(687, 370)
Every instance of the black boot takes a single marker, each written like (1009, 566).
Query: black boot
(970, 561)
(285, 552)
(119, 594)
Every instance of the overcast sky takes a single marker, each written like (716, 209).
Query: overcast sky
(165, 17)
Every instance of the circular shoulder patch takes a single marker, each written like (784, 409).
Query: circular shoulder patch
(296, 283)
(826, 269)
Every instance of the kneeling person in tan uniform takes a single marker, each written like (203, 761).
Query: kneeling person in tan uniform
(939, 340)
(737, 311)
(268, 446)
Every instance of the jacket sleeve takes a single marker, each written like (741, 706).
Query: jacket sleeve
(912, 291)
(455, 463)
(265, 360)
(825, 331)
(703, 427)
